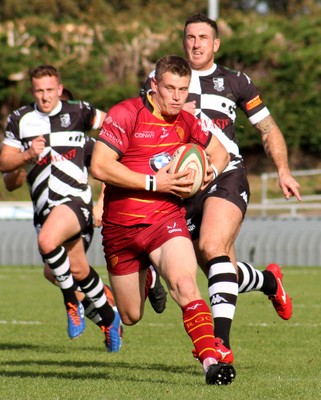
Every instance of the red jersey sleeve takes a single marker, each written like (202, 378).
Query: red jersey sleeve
(118, 126)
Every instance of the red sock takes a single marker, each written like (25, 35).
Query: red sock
(198, 324)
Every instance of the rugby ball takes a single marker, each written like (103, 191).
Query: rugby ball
(190, 157)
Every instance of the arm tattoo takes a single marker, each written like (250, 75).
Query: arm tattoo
(264, 127)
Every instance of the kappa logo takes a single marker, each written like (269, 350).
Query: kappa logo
(213, 189)
(173, 228)
(85, 212)
(217, 299)
(61, 278)
(244, 196)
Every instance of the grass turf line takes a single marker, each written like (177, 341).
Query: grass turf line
(275, 359)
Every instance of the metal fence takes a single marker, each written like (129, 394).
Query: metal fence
(310, 203)
(289, 241)
(290, 236)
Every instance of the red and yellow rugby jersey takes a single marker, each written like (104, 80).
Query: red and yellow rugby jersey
(145, 143)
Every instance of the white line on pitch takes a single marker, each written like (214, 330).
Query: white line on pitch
(312, 325)
(14, 322)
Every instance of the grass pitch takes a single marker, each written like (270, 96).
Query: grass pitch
(275, 359)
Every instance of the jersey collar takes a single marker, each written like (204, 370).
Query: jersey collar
(206, 72)
(55, 111)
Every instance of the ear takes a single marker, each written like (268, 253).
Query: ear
(60, 89)
(217, 43)
(153, 84)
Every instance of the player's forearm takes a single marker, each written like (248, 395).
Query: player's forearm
(112, 172)
(218, 156)
(11, 162)
(274, 144)
(14, 180)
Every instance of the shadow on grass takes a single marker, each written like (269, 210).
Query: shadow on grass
(72, 370)
(88, 371)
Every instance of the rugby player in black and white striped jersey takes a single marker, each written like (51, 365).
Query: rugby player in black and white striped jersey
(47, 139)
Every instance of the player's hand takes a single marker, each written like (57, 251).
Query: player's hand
(290, 187)
(97, 215)
(37, 146)
(209, 177)
(190, 107)
(179, 184)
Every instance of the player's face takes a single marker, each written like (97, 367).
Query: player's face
(200, 45)
(46, 92)
(170, 93)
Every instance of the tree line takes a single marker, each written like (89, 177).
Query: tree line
(107, 59)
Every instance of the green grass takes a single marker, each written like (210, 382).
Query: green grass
(275, 359)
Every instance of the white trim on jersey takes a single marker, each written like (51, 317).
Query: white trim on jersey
(97, 120)
(259, 116)
(75, 139)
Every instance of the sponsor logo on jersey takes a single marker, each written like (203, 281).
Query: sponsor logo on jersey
(253, 103)
(173, 228)
(219, 84)
(110, 121)
(144, 135)
(110, 136)
(159, 161)
(65, 120)
(165, 132)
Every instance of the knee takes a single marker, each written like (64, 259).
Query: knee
(211, 247)
(208, 247)
(130, 318)
(185, 290)
(45, 243)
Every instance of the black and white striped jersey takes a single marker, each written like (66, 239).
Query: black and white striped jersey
(60, 172)
(218, 91)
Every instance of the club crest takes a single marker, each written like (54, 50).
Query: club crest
(65, 120)
(218, 84)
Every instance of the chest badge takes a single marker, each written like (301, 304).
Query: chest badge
(218, 84)
(65, 120)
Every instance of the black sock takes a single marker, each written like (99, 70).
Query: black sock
(269, 285)
(93, 288)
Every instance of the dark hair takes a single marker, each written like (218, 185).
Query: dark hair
(201, 18)
(174, 64)
(66, 95)
(44, 70)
